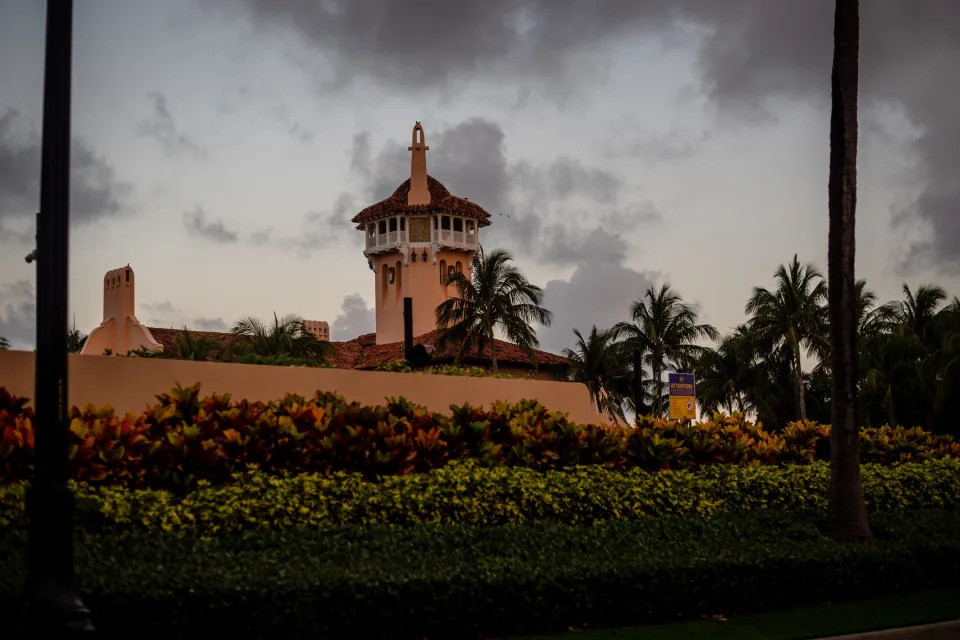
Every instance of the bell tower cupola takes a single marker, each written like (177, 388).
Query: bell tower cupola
(414, 241)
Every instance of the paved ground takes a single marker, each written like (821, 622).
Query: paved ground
(939, 631)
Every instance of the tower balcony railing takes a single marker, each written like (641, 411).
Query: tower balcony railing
(391, 240)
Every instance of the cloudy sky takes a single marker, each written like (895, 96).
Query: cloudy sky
(221, 147)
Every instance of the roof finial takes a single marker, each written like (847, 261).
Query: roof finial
(419, 193)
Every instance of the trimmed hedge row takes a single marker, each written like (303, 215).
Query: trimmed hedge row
(464, 493)
(185, 438)
(463, 581)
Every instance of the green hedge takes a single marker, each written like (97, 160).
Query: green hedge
(461, 581)
(186, 438)
(465, 493)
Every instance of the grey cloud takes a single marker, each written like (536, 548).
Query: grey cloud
(210, 324)
(573, 245)
(566, 177)
(909, 51)
(437, 44)
(319, 230)
(95, 190)
(196, 222)
(293, 126)
(596, 294)
(528, 202)
(164, 306)
(355, 319)
(659, 147)
(260, 238)
(18, 314)
(161, 127)
(751, 51)
(468, 158)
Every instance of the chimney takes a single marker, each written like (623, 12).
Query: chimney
(407, 327)
(419, 193)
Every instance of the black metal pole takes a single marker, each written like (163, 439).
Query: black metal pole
(54, 607)
(407, 328)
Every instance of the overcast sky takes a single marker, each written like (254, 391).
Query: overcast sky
(221, 148)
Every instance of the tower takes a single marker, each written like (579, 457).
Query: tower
(120, 330)
(414, 241)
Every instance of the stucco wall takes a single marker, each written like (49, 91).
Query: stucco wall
(130, 384)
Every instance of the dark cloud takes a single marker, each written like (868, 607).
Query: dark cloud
(565, 178)
(573, 245)
(290, 123)
(598, 293)
(760, 51)
(161, 126)
(210, 324)
(468, 158)
(752, 53)
(18, 314)
(261, 238)
(355, 319)
(196, 223)
(164, 306)
(436, 44)
(95, 190)
(659, 147)
(321, 229)
(532, 205)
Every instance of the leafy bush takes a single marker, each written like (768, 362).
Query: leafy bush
(186, 438)
(400, 366)
(465, 493)
(462, 581)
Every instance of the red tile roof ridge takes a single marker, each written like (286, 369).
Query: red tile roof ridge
(440, 200)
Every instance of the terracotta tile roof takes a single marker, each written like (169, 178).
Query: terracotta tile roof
(440, 200)
(168, 337)
(363, 352)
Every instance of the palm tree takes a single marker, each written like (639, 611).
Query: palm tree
(847, 512)
(594, 362)
(724, 374)
(919, 312)
(75, 340)
(664, 329)
(498, 296)
(190, 346)
(286, 341)
(4, 343)
(791, 314)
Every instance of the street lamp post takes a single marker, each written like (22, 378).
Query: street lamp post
(53, 604)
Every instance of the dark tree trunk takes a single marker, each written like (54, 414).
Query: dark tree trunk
(638, 381)
(847, 513)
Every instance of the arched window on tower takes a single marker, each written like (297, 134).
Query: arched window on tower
(459, 267)
(383, 282)
(443, 272)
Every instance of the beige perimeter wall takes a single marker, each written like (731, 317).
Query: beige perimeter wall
(130, 384)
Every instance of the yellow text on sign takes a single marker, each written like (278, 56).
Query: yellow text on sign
(683, 407)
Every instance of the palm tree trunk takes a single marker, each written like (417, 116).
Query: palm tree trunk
(798, 374)
(637, 381)
(846, 513)
(493, 350)
(658, 385)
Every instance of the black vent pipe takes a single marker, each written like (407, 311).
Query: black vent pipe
(407, 328)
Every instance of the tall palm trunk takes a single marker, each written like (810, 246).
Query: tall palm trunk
(798, 375)
(637, 381)
(658, 385)
(493, 349)
(847, 513)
